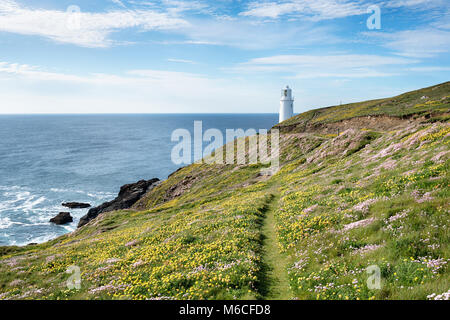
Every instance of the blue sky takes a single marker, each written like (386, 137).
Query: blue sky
(152, 56)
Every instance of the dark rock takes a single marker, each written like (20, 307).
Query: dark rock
(76, 205)
(32, 244)
(62, 218)
(179, 188)
(129, 194)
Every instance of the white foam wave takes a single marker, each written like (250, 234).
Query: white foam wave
(39, 239)
(8, 188)
(30, 203)
(5, 223)
(101, 195)
(96, 195)
(69, 227)
(18, 200)
(21, 208)
(60, 190)
(44, 238)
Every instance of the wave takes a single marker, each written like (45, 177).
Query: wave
(58, 190)
(5, 223)
(96, 195)
(30, 204)
(38, 239)
(25, 213)
(17, 197)
(8, 188)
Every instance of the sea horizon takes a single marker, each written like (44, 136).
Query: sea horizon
(154, 113)
(54, 158)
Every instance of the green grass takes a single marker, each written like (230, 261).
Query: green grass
(274, 283)
(234, 234)
(435, 106)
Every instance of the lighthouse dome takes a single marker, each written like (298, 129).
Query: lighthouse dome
(286, 104)
(286, 93)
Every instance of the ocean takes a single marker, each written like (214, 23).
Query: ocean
(46, 160)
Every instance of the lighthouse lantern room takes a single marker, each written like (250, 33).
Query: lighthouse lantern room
(286, 104)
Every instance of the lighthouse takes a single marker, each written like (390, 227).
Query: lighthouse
(286, 104)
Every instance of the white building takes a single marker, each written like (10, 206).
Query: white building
(286, 104)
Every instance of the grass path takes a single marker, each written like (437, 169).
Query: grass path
(274, 283)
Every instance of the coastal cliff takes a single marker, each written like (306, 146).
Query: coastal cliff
(128, 195)
(361, 186)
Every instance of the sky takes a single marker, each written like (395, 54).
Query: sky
(215, 56)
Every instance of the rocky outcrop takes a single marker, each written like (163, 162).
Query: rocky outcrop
(76, 205)
(179, 188)
(62, 218)
(129, 194)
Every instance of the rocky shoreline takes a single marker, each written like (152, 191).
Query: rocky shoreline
(76, 205)
(62, 218)
(128, 195)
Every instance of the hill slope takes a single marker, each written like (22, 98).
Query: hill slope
(351, 193)
(430, 103)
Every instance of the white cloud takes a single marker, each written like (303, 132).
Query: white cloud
(132, 77)
(343, 60)
(181, 61)
(33, 89)
(269, 10)
(316, 10)
(325, 66)
(35, 73)
(353, 73)
(176, 6)
(96, 29)
(420, 4)
(119, 3)
(329, 9)
(429, 69)
(27, 89)
(245, 34)
(81, 28)
(419, 43)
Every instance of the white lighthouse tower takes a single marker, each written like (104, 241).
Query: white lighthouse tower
(286, 104)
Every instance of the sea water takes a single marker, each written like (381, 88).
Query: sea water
(46, 160)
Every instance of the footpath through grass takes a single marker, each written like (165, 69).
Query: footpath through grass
(274, 283)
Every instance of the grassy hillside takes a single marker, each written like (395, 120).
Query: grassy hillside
(430, 103)
(374, 194)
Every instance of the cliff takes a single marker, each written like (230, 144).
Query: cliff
(362, 185)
